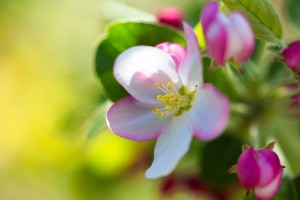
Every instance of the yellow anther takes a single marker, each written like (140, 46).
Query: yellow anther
(159, 83)
(160, 98)
(155, 110)
(169, 85)
(160, 115)
(174, 100)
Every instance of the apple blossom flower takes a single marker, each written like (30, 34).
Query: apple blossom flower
(227, 37)
(292, 56)
(167, 103)
(260, 171)
(171, 16)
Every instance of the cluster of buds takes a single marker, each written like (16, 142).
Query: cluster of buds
(260, 171)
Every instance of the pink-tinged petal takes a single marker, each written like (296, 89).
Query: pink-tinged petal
(241, 38)
(209, 113)
(292, 56)
(134, 120)
(171, 146)
(190, 69)
(247, 169)
(269, 166)
(176, 51)
(208, 15)
(216, 38)
(269, 191)
(138, 68)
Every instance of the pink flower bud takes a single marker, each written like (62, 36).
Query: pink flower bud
(176, 51)
(227, 37)
(292, 56)
(171, 16)
(260, 171)
(296, 98)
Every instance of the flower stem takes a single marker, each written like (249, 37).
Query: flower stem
(259, 51)
(258, 139)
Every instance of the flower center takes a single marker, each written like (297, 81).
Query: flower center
(175, 101)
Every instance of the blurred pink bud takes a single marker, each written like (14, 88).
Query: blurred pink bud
(260, 171)
(168, 185)
(171, 16)
(227, 37)
(292, 56)
(296, 98)
(176, 51)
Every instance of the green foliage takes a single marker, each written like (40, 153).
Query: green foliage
(293, 11)
(275, 48)
(218, 156)
(218, 78)
(278, 70)
(262, 16)
(121, 36)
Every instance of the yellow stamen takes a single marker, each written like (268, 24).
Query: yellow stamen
(175, 101)
(160, 115)
(158, 84)
(169, 85)
(155, 110)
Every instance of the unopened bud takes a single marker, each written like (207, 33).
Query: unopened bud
(171, 16)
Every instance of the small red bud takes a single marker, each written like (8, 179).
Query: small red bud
(292, 56)
(171, 16)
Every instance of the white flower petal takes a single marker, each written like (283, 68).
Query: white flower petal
(171, 146)
(243, 34)
(138, 68)
(209, 113)
(134, 120)
(240, 37)
(270, 190)
(190, 69)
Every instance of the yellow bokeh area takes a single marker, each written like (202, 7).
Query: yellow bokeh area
(54, 143)
(119, 154)
(49, 98)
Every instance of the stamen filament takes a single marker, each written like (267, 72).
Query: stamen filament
(175, 102)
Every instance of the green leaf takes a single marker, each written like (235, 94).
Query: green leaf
(293, 11)
(218, 157)
(262, 16)
(121, 36)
